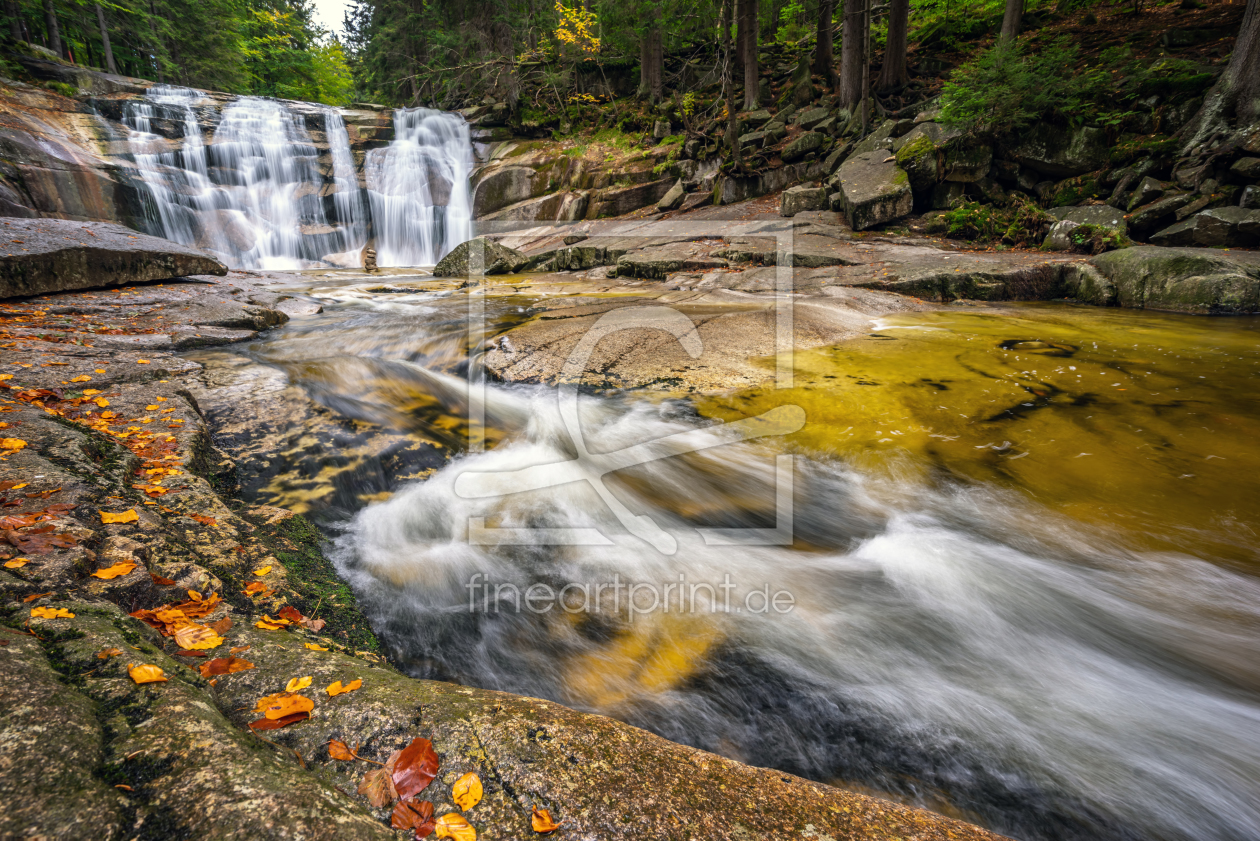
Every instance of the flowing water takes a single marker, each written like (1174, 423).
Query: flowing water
(261, 194)
(1020, 585)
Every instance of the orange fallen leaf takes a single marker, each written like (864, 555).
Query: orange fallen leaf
(33, 596)
(277, 723)
(150, 408)
(205, 521)
(116, 571)
(416, 767)
(224, 666)
(285, 704)
(416, 815)
(142, 362)
(297, 683)
(341, 751)
(467, 791)
(146, 674)
(128, 516)
(337, 689)
(222, 626)
(109, 652)
(454, 826)
(11, 443)
(82, 378)
(17, 563)
(51, 613)
(313, 647)
(542, 821)
(237, 649)
(269, 624)
(254, 587)
(261, 571)
(102, 402)
(197, 637)
(88, 392)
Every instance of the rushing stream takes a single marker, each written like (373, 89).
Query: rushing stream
(1021, 586)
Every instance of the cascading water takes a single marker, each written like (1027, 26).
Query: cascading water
(351, 211)
(418, 188)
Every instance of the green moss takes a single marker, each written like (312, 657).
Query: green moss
(1075, 190)
(914, 151)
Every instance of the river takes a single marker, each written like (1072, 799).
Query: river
(1019, 585)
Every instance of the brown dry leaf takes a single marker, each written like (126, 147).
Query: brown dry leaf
(197, 637)
(298, 683)
(205, 521)
(237, 649)
(378, 788)
(277, 723)
(542, 821)
(222, 626)
(454, 826)
(128, 516)
(337, 689)
(160, 581)
(146, 674)
(109, 652)
(254, 587)
(182, 653)
(225, 666)
(313, 647)
(116, 571)
(416, 815)
(33, 596)
(51, 613)
(340, 750)
(288, 705)
(415, 769)
(17, 563)
(261, 571)
(467, 791)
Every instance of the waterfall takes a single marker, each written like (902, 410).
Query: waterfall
(418, 188)
(348, 203)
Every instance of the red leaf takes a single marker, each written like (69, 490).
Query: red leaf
(416, 768)
(291, 613)
(277, 723)
(413, 814)
(160, 581)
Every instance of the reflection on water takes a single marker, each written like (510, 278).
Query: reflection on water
(1023, 578)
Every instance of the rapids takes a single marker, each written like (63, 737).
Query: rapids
(1021, 581)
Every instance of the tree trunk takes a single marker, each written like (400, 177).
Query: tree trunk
(109, 51)
(1236, 93)
(824, 54)
(15, 20)
(54, 31)
(853, 54)
(651, 65)
(1011, 20)
(748, 37)
(893, 75)
(157, 43)
(728, 82)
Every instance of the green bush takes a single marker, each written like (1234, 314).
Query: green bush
(1021, 223)
(1005, 89)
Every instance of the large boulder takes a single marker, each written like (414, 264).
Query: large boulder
(967, 163)
(503, 187)
(1196, 280)
(1085, 228)
(873, 190)
(1221, 226)
(618, 200)
(40, 256)
(800, 147)
(468, 260)
(1150, 216)
(674, 198)
(1061, 152)
(801, 198)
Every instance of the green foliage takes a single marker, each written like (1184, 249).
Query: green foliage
(62, 88)
(1005, 89)
(1095, 239)
(1020, 223)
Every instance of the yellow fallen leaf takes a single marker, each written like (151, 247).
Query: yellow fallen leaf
(269, 626)
(6, 376)
(287, 705)
(51, 613)
(337, 689)
(467, 791)
(98, 371)
(297, 683)
(313, 647)
(150, 408)
(197, 637)
(142, 362)
(17, 563)
(102, 402)
(83, 378)
(11, 443)
(119, 569)
(261, 571)
(542, 821)
(19, 487)
(146, 674)
(128, 516)
(88, 392)
(454, 826)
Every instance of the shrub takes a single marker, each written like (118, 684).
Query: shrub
(1004, 89)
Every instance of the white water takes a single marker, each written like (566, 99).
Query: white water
(418, 188)
(254, 196)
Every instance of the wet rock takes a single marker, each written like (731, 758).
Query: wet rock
(1222, 226)
(1150, 216)
(802, 198)
(674, 198)
(508, 185)
(531, 210)
(1247, 168)
(874, 190)
(54, 255)
(480, 256)
(1195, 280)
(803, 145)
(1147, 191)
(1250, 198)
(658, 263)
(946, 195)
(1060, 152)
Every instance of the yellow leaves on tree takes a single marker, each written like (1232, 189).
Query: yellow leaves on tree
(577, 28)
(467, 791)
(314, 647)
(197, 637)
(51, 613)
(128, 516)
(454, 826)
(297, 684)
(542, 821)
(116, 571)
(17, 563)
(146, 674)
(337, 689)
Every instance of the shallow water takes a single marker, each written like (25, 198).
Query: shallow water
(1019, 585)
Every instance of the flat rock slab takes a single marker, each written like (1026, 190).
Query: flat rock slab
(38, 256)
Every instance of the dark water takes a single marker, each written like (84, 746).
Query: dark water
(1021, 568)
